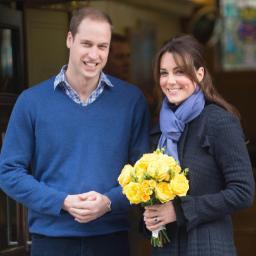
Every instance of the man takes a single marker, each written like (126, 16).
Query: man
(75, 132)
(119, 61)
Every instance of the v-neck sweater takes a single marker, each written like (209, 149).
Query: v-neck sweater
(72, 149)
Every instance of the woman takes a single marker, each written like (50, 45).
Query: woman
(202, 131)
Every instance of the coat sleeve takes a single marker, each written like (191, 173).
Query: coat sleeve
(227, 146)
(16, 158)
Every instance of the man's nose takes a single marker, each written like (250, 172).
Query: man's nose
(93, 53)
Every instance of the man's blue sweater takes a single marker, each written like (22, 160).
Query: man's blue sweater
(72, 149)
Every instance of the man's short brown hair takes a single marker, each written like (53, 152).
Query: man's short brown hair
(87, 12)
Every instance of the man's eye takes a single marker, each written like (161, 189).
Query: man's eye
(86, 44)
(103, 47)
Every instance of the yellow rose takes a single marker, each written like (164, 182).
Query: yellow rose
(147, 186)
(147, 158)
(168, 160)
(140, 170)
(141, 163)
(126, 175)
(176, 169)
(179, 185)
(146, 190)
(164, 192)
(163, 173)
(144, 198)
(152, 183)
(154, 169)
(133, 192)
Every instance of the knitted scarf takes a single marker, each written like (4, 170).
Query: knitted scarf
(172, 124)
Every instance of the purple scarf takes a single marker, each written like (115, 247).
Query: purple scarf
(172, 124)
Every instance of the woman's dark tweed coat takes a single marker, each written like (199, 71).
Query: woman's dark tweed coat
(212, 146)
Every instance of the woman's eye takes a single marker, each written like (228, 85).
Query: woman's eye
(163, 74)
(179, 72)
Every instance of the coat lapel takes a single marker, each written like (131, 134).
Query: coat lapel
(181, 144)
(155, 134)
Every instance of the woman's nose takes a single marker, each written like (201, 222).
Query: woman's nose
(171, 79)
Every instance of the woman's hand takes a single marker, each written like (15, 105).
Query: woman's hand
(159, 215)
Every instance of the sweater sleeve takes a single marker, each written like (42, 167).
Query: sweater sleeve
(139, 144)
(139, 135)
(227, 145)
(16, 158)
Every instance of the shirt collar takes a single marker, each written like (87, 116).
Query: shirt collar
(61, 78)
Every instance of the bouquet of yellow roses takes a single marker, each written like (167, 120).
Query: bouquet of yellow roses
(155, 178)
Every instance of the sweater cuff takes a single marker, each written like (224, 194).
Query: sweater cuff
(57, 207)
(118, 201)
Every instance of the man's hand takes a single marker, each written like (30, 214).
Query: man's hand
(87, 206)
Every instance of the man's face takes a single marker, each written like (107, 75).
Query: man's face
(119, 60)
(89, 49)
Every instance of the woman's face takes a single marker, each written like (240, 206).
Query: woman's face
(175, 84)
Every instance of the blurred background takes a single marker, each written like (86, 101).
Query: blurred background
(32, 48)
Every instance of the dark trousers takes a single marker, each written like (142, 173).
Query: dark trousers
(115, 244)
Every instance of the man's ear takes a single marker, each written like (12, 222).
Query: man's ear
(69, 40)
(200, 74)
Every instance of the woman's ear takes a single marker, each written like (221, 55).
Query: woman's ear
(200, 74)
